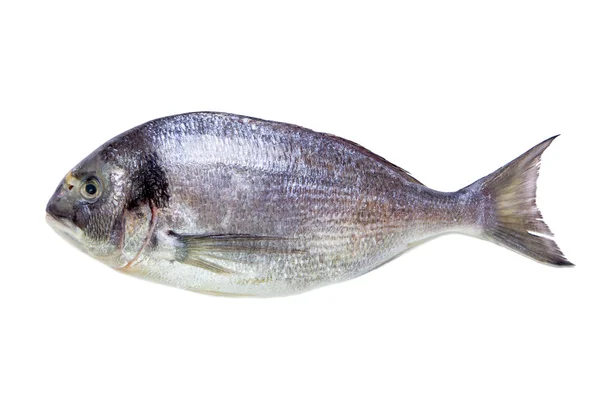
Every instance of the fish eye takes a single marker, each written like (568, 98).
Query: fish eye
(91, 189)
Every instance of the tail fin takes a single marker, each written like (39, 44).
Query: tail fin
(513, 218)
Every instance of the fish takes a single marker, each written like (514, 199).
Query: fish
(232, 205)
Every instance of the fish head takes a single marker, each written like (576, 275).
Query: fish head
(87, 208)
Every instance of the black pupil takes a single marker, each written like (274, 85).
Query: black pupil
(90, 189)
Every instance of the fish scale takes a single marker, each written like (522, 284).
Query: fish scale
(227, 204)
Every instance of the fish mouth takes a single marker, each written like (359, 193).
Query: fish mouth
(66, 229)
(56, 222)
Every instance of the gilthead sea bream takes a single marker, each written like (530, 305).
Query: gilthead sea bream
(226, 204)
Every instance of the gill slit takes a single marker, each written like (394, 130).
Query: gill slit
(151, 227)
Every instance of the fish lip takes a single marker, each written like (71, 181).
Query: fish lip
(67, 230)
(53, 219)
(60, 224)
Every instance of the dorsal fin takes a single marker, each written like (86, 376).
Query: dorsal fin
(370, 154)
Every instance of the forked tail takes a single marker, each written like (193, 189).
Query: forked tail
(511, 217)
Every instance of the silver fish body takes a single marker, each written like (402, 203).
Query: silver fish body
(226, 204)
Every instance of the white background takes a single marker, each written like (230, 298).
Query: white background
(448, 90)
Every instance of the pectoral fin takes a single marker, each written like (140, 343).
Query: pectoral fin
(213, 252)
(207, 265)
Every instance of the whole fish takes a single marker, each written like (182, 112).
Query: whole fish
(227, 204)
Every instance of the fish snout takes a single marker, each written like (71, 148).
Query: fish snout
(60, 205)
